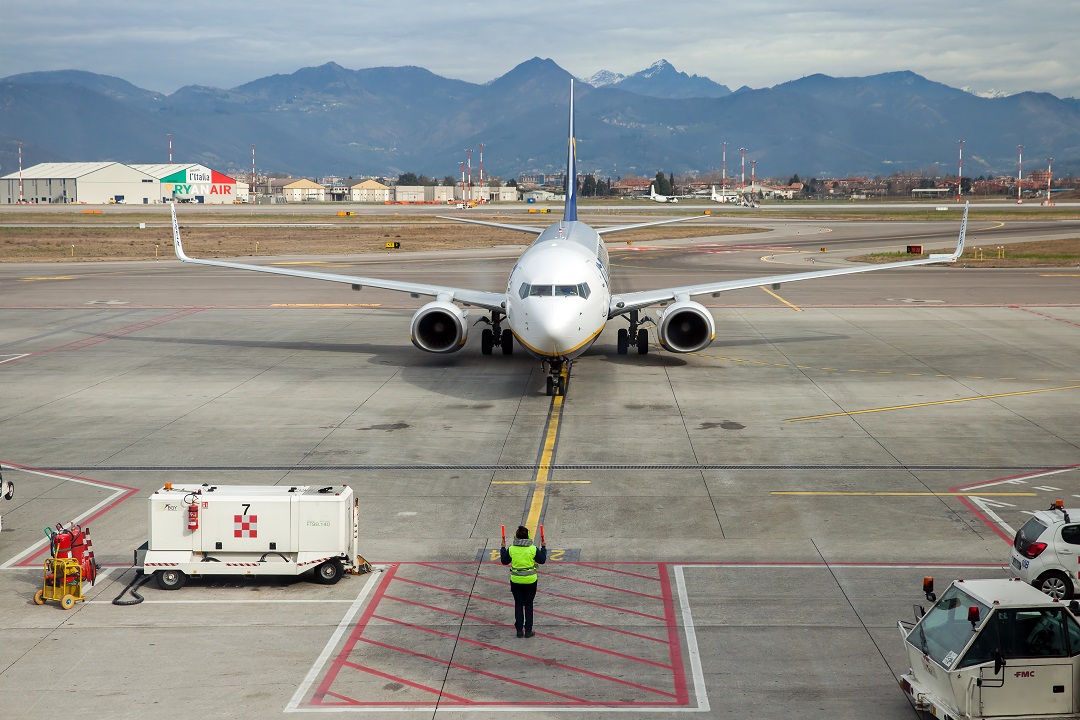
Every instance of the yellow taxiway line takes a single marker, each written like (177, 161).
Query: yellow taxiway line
(549, 482)
(543, 473)
(904, 494)
(793, 307)
(928, 404)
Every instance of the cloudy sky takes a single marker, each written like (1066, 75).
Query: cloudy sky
(1010, 46)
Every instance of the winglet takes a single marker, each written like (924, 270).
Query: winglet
(570, 211)
(178, 247)
(955, 254)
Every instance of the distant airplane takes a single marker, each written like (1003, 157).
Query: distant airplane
(559, 298)
(732, 197)
(664, 198)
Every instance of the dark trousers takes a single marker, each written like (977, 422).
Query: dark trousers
(524, 594)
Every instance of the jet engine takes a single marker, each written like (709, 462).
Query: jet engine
(685, 327)
(439, 327)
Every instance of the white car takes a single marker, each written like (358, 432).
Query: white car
(1046, 552)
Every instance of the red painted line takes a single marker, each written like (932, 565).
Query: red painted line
(673, 638)
(621, 572)
(361, 624)
(462, 593)
(496, 648)
(601, 585)
(489, 621)
(979, 514)
(548, 592)
(30, 561)
(403, 681)
(478, 671)
(1044, 315)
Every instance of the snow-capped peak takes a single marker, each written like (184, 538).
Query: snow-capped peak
(991, 93)
(657, 67)
(604, 77)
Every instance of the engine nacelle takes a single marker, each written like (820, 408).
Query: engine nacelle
(439, 327)
(686, 327)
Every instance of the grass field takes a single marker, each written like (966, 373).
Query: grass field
(1042, 253)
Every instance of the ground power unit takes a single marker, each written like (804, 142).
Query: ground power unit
(201, 530)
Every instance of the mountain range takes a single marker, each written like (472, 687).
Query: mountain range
(330, 120)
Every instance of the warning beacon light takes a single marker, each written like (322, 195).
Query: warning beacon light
(973, 616)
(928, 589)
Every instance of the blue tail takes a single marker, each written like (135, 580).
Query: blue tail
(570, 211)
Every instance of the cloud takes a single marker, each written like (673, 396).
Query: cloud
(1011, 46)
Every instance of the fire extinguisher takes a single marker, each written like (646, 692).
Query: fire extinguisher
(193, 514)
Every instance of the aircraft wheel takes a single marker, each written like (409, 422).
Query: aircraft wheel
(550, 386)
(643, 342)
(507, 342)
(560, 386)
(487, 341)
(624, 341)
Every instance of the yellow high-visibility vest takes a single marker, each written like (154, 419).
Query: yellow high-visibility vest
(522, 561)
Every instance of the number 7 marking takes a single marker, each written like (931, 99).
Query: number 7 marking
(246, 506)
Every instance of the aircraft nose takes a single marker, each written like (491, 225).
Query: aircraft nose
(557, 329)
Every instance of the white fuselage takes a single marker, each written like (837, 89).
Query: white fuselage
(559, 292)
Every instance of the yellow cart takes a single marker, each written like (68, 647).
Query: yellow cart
(62, 583)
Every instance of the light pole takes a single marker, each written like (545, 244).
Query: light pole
(1020, 176)
(960, 174)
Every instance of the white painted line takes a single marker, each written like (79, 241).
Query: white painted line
(44, 541)
(691, 642)
(316, 669)
(11, 358)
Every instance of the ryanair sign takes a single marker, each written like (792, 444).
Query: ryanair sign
(199, 182)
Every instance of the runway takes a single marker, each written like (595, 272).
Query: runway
(733, 532)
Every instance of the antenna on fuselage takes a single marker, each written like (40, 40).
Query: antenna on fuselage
(570, 210)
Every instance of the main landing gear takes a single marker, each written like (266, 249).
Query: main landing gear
(496, 335)
(636, 335)
(556, 379)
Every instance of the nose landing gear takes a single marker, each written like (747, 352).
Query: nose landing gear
(558, 373)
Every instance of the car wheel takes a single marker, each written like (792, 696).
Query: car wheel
(1055, 584)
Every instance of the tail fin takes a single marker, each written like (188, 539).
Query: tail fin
(570, 211)
(955, 254)
(178, 246)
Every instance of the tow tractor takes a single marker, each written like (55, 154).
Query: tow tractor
(992, 649)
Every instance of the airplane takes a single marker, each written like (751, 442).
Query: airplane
(742, 200)
(559, 296)
(664, 198)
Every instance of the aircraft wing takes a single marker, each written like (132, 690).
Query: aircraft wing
(505, 226)
(625, 302)
(478, 298)
(620, 228)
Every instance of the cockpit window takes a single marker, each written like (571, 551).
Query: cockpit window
(579, 290)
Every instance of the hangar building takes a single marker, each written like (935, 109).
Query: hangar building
(191, 183)
(94, 183)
